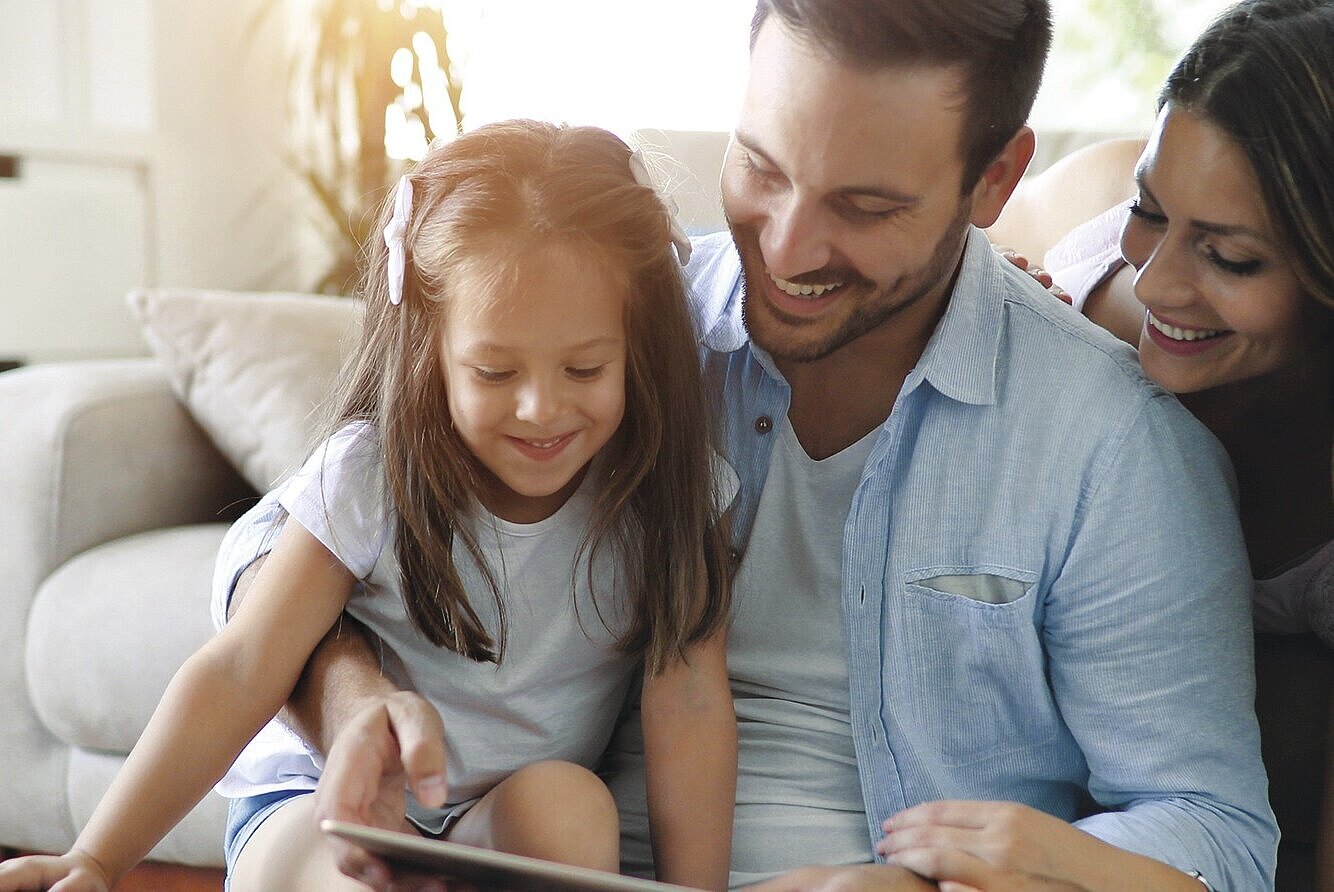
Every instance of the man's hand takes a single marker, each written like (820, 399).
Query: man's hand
(388, 747)
(868, 877)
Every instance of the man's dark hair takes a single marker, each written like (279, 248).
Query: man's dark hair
(1000, 45)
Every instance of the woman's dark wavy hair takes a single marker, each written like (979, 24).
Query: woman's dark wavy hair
(1001, 46)
(1263, 73)
(523, 187)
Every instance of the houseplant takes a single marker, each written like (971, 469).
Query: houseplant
(371, 84)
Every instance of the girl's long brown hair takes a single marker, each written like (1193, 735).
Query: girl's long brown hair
(525, 185)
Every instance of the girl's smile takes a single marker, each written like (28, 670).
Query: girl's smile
(534, 368)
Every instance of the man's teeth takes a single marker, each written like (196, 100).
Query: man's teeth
(1183, 334)
(796, 290)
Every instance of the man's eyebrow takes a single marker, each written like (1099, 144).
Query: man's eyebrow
(1224, 229)
(884, 193)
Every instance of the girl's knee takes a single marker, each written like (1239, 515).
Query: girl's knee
(559, 811)
(288, 851)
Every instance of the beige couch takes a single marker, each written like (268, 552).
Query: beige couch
(116, 501)
(120, 477)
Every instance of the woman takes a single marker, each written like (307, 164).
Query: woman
(1223, 277)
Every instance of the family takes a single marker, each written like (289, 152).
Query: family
(829, 552)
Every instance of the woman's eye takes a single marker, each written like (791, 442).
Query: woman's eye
(585, 374)
(1234, 267)
(492, 376)
(1140, 212)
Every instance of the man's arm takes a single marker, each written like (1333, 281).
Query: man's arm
(1148, 637)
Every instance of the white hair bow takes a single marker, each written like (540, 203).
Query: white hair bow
(639, 170)
(393, 239)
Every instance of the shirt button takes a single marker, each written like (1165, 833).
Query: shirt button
(734, 554)
(764, 424)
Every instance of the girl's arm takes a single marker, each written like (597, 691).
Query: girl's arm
(690, 752)
(217, 701)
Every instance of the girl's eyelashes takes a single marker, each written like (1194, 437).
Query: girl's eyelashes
(589, 373)
(500, 376)
(492, 376)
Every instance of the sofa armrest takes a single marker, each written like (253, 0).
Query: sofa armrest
(94, 451)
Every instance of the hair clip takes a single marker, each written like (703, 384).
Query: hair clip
(393, 238)
(681, 241)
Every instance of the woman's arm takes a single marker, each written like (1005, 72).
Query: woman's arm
(998, 846)
(690, 752)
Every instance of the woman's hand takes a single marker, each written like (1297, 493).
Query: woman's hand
(389, 746)
(1007, 847)
(1040, 275)
(74, 871)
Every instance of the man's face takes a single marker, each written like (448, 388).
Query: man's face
(842, 187)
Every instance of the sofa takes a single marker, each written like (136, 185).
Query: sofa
(121, 477)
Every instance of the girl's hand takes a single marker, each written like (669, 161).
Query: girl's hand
(71, 872)
(1007, 847)
(395, 743)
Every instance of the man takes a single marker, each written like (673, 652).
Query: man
(990, 593)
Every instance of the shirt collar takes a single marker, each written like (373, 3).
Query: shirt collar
(716, 285)
(960, 359)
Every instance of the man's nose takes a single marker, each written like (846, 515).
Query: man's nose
(795, 239)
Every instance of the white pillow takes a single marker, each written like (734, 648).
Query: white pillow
(254, 369)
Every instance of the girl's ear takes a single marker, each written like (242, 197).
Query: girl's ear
(1000, 177)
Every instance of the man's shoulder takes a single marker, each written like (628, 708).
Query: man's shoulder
(1058, 344)
(713, 287)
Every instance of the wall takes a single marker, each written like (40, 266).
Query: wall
(148, 138)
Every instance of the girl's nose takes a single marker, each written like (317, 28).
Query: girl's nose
(540, 402)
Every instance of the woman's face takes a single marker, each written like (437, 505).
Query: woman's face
(1223, 305)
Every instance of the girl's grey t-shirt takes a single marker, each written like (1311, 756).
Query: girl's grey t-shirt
(560, 686)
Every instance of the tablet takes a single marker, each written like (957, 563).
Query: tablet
(486, 868)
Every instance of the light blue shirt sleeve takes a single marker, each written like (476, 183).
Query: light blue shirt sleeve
(1152, 614)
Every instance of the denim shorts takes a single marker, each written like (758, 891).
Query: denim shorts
(244, 817)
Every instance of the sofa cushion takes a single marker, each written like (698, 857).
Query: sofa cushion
(109, 628)
(254, 369)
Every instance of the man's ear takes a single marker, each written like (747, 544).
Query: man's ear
(1000, 177)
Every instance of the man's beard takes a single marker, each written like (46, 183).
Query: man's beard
(873, 305)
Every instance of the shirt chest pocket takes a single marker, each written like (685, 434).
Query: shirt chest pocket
(969, 664)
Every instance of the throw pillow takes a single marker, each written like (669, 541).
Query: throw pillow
(254, 369)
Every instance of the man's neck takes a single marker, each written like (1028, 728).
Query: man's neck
(838, 399)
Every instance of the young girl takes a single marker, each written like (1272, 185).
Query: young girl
(517, 498)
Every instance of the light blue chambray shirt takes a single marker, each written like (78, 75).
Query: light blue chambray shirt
(1045, 588)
